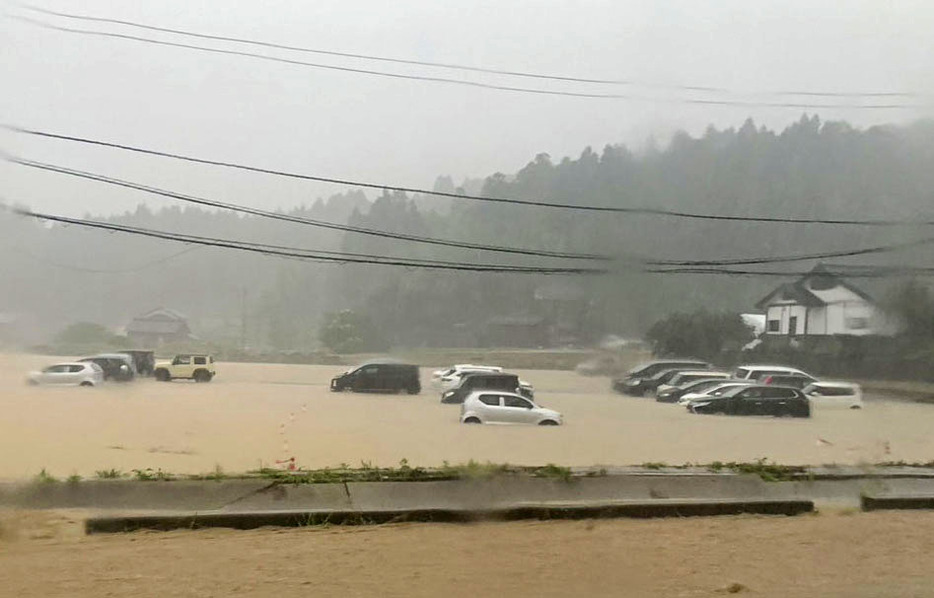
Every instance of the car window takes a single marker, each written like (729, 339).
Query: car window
(832, 391)
(74, 369)
(370, 370)
(491, 400)
(56, 369)
(184, 359)
(200, 361)
(511, 401)
(741, 373)
(751, 393)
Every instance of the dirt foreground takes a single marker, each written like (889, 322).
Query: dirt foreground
(843, 554)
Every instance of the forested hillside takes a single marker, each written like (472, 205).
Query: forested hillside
(55, 275)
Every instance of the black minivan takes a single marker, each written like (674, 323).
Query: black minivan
(485, 381)
(636, 381)
(379, 376)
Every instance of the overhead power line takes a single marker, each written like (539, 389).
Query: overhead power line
(469, 83)
(661, 212)
(629, 260)
(329, 257)
(301, 254)
(300, 219)
(460, 67)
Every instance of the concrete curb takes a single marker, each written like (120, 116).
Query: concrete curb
(882, 503)
(256, 519)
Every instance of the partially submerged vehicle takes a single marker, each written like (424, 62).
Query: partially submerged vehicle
(485, 407)
(79, 373)
(383, 376)
(116, 366)
(509, 383)
(756, 399)
(830, 393)
(636, 381)
(187, 366)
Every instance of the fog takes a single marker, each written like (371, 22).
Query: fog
(406, 132)
(778, 132)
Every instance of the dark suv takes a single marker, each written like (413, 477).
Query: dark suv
(756, 400)
(379, 376)
(635, 382)
(485, 381)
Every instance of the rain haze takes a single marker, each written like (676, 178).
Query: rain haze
(404, 132)
(563, 264)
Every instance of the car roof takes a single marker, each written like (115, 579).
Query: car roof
(774, 368)
(711, 373)
(81, 363)
(113, 355)
(492, 391)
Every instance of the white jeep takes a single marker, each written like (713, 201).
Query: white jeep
(197, 367)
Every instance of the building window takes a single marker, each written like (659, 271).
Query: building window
(857, 323)
(775, 325)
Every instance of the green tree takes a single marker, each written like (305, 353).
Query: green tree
(349, 332)
(912, 305)
(699, 334)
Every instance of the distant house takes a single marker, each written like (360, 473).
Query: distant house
(158, 327)
(821, 303)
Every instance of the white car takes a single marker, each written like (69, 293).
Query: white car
(834, 394)
(714, 391)
(451, 377)
(68, 374)
(758, 372)
(491, 407)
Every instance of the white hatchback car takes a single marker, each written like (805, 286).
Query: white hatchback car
(834, 394)
(69, 374)
(491, 407)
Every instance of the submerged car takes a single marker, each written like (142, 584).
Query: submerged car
(717, 389)
(116, 366)
(834, 394)
(677, 386)
(758, 372)
(450, 377)
(485, 407)
(382, 376)
(68, 374)
(486, 381)
(636, 382)
(792, 380)
(755, 400)
(191, 366)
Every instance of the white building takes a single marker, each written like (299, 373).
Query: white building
(821, 303)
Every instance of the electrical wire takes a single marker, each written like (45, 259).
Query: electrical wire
(297, 253)
(463, 82)
(299, 219)
(661, 212)
(454, 66)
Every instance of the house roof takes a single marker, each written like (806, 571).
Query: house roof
(157, 327)
(801, 292)
(163, 314)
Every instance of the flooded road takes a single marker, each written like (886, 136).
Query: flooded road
(254, 415)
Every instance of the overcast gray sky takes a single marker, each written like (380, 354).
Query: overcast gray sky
(405, 132)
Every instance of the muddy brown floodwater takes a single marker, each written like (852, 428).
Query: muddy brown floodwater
(257, 414)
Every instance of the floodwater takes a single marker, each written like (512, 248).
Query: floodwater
(255, 415)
